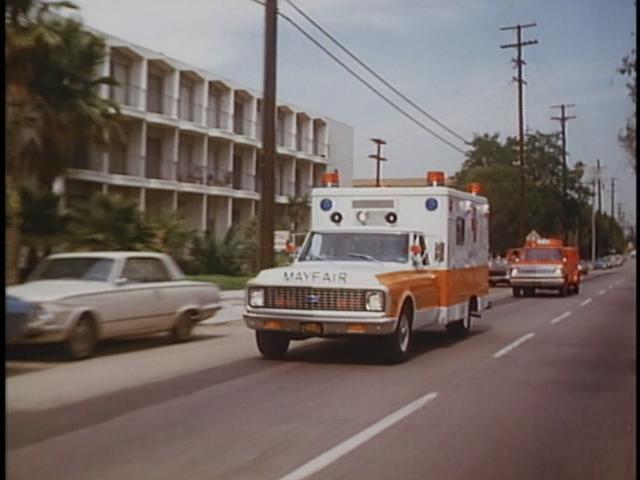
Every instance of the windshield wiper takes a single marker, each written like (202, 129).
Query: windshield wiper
(363, 256)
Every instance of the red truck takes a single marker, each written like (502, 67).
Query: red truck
(545, 264)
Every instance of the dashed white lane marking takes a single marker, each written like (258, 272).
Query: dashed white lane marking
(350, 444)
(560, 317)
(513, 345)
(586, 302)
(602, 292)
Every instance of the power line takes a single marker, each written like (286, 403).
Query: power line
(373, 72)
(367, 84)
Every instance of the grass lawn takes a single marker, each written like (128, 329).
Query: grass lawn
(225, 282)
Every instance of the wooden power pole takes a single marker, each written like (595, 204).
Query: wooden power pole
(379, 142)
(519, 63)
(267, 199)
(563, 118)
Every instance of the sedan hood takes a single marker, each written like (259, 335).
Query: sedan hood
(53, 290)
(327, 274)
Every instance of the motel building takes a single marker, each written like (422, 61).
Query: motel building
(192, 144)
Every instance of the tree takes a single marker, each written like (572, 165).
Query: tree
(51, 90)
(298, 211)
(628, 135)
(173, 237)
(493, 164)
(108, 223)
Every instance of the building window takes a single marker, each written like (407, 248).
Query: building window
(459, 231)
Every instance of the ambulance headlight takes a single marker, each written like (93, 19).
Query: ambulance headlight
(256, 297)
(374, 301)
(559, 272)
(514, 272)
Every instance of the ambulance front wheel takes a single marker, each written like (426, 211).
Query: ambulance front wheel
(272, 344)
(398, 344)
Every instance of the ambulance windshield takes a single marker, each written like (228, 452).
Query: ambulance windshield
(382, 247)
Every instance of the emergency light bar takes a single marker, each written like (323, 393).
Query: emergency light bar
(474, 188)
(331, 179)
(435, 179)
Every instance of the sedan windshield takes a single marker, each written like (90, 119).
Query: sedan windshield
(541, 254)
(79, 268)
(383, 247)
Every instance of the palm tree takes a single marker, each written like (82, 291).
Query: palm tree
(107, 223)
(51, 95)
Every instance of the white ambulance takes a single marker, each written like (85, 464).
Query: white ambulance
(378, 261)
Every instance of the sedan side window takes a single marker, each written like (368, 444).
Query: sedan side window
(145, 270)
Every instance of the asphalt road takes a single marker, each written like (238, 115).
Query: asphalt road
(543, 388)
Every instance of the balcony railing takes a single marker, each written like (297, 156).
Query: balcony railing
(321, 148)
(127, 94)
(188, 173)
(218, 177)
(284, 138)
(242, 126)
(191, 112)
(161, 104)
(244, 181)
(130, 164)
(217, 118)
(154, 169)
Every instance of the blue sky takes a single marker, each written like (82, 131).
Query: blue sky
(443, 54)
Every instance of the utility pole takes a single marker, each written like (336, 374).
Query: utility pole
(267, 199)
(379, 142)
(593, 220)
(563, 118)
(612, 220)
(519, 62)
(599, 185)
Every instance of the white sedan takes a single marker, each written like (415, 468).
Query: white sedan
(81, 298)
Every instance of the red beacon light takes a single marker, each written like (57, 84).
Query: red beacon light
(474, 188)
(331, 179)
(435, 179)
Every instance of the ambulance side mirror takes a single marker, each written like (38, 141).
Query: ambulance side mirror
(416, 255)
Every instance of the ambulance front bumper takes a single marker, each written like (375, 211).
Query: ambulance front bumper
(321, 324)
(540, 282)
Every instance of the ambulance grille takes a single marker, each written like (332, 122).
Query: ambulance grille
(307, 298)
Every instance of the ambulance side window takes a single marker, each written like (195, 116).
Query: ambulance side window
(460, 231)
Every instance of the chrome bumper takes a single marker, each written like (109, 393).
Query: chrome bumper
(331, 324)
(540, 282)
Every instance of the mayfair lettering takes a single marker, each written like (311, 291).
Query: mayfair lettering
(314, 277)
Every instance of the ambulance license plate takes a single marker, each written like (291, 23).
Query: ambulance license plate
(311, 327)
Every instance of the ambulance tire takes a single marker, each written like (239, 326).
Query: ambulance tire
(564, 290)
(397, 346)
(462, 327)
(272, 345)
(576, 288)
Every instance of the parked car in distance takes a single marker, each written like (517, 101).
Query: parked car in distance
(498, 271)
(79, 299)
(600, 264)
(584, 266)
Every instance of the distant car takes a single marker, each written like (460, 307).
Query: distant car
(584, 266)
(498, 272)
(81, 298)
(601, 264)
